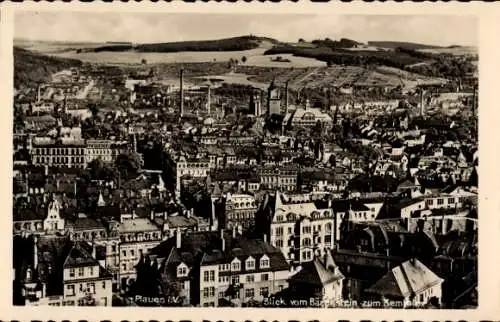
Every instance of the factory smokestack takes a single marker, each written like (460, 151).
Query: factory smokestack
(422, 104)
(286, 97)
(181, 92)
(208, 99)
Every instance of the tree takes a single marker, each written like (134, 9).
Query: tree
(301, 40)
(144, 61)
(244, 59)
(128, 163)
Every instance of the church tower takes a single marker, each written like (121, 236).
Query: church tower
(273, 100)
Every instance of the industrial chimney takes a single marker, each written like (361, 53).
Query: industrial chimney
(181, 92)
(35, 252)
(422, 104)
(208, 99)
(286, 97)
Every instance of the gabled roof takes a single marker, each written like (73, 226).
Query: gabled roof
(318, 273)
(78, 257)
(409, 278)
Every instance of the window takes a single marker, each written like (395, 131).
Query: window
(71, 290)
(212, 276)
(249, 292)
(91, 270)
(264, 263)
(103, 285)
(211, 292)
(71, 272)
(328, 239)
(206, 276)
(250, 279)
(264, 291)
(235, 280)
(430, 202)
(440, 201)
(421, 297)
(289, 230)
(264, 277)
(250, 264)
(132, 253)
(81, 271)
(124, 253)
(235, 266)
(205, 291)
(221, 295)
(306, 229)
(451, 200)
(279, 243)
(182, 271)
(124, 267)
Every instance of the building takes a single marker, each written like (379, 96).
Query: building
(239, 211)
(319, 279)
(302, 228)
(410, 284)
(308, 117)
(273, 100)
(105, 150)
(228, 270)
(137, 237)
(55, 271)
(59, 155)
(181, 167)
(278, 178)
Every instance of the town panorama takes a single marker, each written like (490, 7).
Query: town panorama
(245, 172)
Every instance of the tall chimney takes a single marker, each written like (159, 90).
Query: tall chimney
(178, 238)
(181, 92)
(208, 99)
(223, 241)
(286, 97)
(422, 104)
(35, 252)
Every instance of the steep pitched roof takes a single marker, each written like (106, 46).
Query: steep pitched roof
(318, 273)
(407, 279)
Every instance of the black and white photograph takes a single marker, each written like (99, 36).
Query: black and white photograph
(245, 160)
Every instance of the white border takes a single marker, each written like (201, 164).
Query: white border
(489, 68)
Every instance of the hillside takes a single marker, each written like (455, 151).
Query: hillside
(401, 44)
(227, 44)
(32, 68)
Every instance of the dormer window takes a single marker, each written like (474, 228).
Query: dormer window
(235, 265)
(250, 263)
(182, 270)
(264, 262)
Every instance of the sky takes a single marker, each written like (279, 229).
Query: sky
(159, 27)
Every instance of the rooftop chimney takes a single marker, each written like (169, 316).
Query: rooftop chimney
(223, 241)
(181, 92)
(178, 238)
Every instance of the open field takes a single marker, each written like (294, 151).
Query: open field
(458, 51)
(49, 47)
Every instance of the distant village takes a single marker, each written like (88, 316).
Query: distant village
(133, 190)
